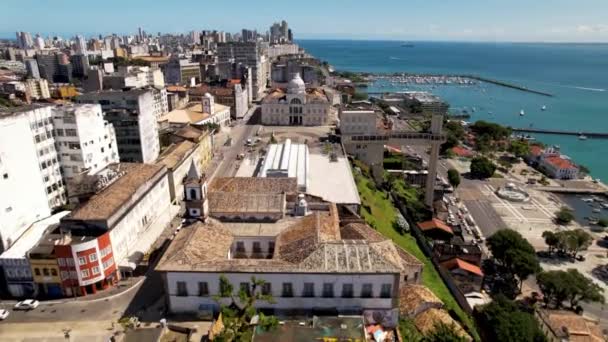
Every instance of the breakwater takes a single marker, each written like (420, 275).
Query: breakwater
(561, 132)
(508, 85)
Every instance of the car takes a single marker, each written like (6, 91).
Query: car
(28, 304)
(3, 314)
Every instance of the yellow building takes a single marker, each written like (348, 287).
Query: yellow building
(45, 272)
(204, 140)
(68, 91)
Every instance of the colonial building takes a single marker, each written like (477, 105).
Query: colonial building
(308, 261)
(296, 106)
(205, 112)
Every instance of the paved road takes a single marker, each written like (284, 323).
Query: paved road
(244, 130)
(479, 207)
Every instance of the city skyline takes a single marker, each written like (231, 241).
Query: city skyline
(562, 21)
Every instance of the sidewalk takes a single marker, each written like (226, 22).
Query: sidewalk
(90, 331)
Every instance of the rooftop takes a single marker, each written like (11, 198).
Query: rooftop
(289, 159)
(176, 154)
(312, 95)
(309, 244)
(570, 326)
(192, 114)
(426, 322)
(559, 162)
(190, 132)
(253, 185)
(457, 263)
(105, 203)
(30, 238)
(413, 297)
(435, 224)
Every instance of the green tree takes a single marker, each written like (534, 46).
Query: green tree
(514, 254)
(504, 321)
(551, 239)
(455, 129)
(603, 222)
(482, 167)
(238, 314)
(519, 148)
(450, 142)
(454, 178)
(564, 216)
(442, 332)
(360, 96)
(584, 169)
(571, 286)
(493, 130)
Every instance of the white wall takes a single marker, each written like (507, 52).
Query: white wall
(23, 197)
(148, 128)
(192, 301)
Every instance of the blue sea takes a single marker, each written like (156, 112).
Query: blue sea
(576, 74)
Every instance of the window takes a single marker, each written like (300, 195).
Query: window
(93, 257)
(245, 288)
(95, 270)
(271, 247)
(53, 272)
(82, 260)
(182, 291)
(65, 275)
(61, 261)
(257, 248)
(266, 289)
(347, 290)
(73, 275)
(45, 272)
(328, 290)
(69, 262)
(405, 278)
(5, 176)
(240, 246)
(309, 290)
(203, 289)
(287, 290)
(366, 291)
(385, 291)
(85, 273)
(37, 271)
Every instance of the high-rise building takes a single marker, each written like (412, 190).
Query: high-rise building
(24, 39)
(38, 88)
(80, 65)
(85, 141)
(39, 42)
(54, 67)
(80, 45)
(181, 71)
(32, 68)
(249, 55)
(135, 121)
(21, 176)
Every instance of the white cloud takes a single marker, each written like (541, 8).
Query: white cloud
(600, 28)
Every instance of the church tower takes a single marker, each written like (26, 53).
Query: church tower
(195, 187)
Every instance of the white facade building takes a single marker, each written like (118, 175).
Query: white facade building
(38, 88)
(24, 198)
(198, 114)
(134, 116)
(297, 106)
(312, 263)
(136, 208)
(134, 77)
(85, 142)
(358, 121)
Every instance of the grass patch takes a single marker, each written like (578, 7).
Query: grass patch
(379, 212)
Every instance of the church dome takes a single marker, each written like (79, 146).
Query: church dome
(296, 85)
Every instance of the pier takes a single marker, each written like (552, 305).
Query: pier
(561, 132)
(508, 85)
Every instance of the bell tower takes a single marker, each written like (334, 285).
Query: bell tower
(195, 189)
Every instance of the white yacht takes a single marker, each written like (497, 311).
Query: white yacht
(543, 108)
(522, 113)
(582, 137)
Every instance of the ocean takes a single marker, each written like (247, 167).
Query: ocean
(576, 74)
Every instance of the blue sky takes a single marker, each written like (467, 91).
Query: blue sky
(462, 20)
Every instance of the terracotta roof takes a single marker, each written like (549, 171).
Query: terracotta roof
(412, 298)
(104, 204)
(435, 224)
(570, 326)
(233, 202)
(536, 150)
(190, 132)
(461, 151)
(360, 231)
(312, 95)
(254, 185)
(426, 322)
(153, 58)
(559, 162)
(176, 88)
(176, 154)
(457, 263)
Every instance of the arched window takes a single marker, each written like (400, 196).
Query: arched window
(192, 193)
(295, 101)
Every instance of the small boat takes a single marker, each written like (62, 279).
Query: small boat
(582, 137)
(604, 205)
(594, 220)
(588, 200)
(522, 113)
(596, 210)
(543, 108)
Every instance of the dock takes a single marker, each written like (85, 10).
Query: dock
(561, 132)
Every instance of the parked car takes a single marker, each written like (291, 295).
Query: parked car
(28, 304)
(3, 314)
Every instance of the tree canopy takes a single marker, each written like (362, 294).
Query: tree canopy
(504, 321)
(454, 177)
(571, 286)
(564, 216)
(482, 167)
(514, 254)
(569, 242)
(492, 130)
(519, 148)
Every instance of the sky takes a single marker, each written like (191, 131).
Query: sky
(444, 20)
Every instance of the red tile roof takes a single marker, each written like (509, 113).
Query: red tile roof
(458, 263)
(462, 152)
(435, 224)
(536, 150)
(560, 163)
